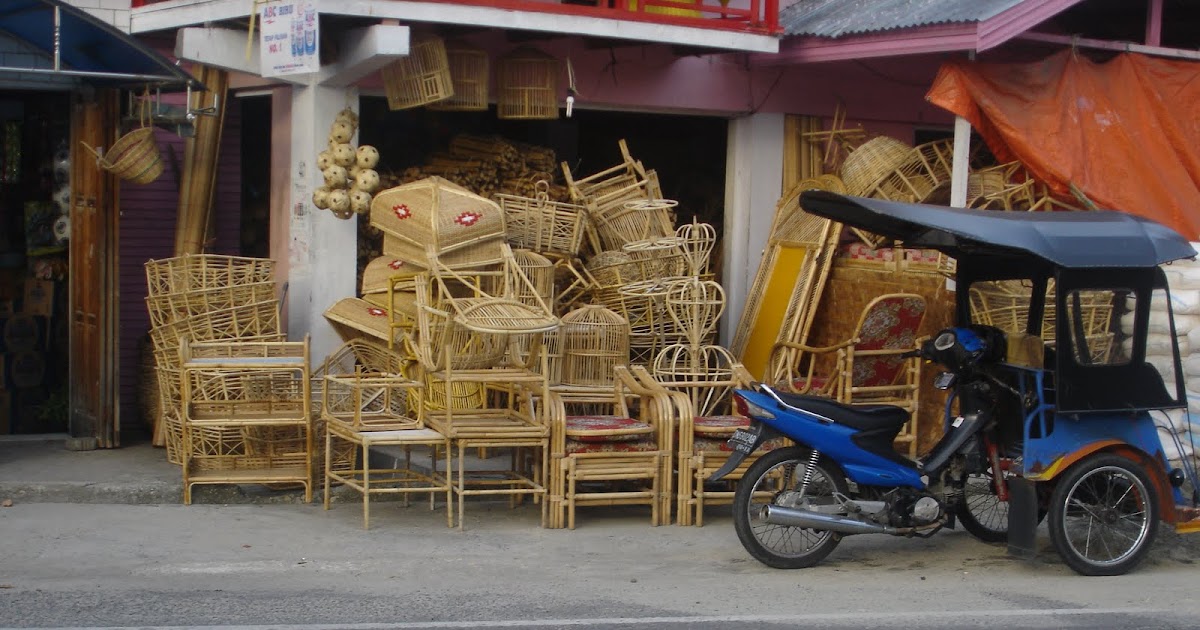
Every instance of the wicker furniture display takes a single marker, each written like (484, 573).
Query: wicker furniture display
(602, 455)
(372, 407)
(258, 390)
(868, 367)
(480, 389)
(703, 379)
(203, 297)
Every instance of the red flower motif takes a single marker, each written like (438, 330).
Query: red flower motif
(468, 218)
(396, 264)
(377, 312)
(402, 211)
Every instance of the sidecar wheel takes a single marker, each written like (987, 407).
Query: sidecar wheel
(1104, 515)
(770, 480)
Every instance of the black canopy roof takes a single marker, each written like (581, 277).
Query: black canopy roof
(1093, 238)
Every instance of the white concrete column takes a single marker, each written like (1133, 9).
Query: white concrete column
(753, 185)
(323, 250)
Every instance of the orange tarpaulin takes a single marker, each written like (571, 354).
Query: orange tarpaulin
(1125, 132)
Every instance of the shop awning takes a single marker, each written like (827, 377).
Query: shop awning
(88, 49)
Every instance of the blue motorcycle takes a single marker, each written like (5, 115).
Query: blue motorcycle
(1063, 430)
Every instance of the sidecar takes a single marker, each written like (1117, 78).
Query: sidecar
(1079, 441)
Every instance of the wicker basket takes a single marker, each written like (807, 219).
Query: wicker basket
(871, 161)
(421, 78)
(527, 86)
(134, 157)
(542, 225)
(469, 76)
(924, 173)
(462, 228)
(192, 272)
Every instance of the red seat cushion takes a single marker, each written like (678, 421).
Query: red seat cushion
(606, 429)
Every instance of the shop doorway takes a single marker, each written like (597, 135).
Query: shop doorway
(35, 332)
(687, 152)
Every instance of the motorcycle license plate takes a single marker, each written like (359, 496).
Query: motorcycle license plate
(742, 441)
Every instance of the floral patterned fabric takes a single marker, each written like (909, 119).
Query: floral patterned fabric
(594, 428)
(710, 444)
(718, 425)
(642, 445)
(891, 324)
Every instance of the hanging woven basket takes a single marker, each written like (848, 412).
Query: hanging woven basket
(133, 157)
(527, 86)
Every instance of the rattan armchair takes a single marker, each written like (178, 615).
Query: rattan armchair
(610, 448)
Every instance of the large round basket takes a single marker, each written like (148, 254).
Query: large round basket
(871, 161)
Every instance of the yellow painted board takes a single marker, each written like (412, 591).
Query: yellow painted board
(773, 306)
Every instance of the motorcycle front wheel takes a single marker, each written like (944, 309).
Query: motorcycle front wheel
(776, 479)
(1103, 515)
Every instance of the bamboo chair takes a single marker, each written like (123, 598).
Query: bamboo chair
(596, 442)
(703, 379)
(374, 403)
(867, 368)
(466, 325)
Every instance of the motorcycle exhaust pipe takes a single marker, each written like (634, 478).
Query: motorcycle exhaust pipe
(777, 515)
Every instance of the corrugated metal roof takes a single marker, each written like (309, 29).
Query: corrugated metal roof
(835, 18)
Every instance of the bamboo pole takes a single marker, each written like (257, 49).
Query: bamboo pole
(198, 179)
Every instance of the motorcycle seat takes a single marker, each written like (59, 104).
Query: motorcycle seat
(861, 417)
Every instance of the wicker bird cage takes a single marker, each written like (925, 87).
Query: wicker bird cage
(469, 74)
(462, 228)
(540, 272)
(594, 341)
(421, 78)
(527, 86)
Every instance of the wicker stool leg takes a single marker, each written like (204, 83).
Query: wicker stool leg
(328, 457)
(366, 491)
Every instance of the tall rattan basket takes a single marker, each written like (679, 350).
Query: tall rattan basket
(421, 78)
(527, 86)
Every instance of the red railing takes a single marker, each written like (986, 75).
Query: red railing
(753, 16)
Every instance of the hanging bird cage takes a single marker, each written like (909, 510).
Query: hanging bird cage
(469, 75)
(421, 78)
(527, 86)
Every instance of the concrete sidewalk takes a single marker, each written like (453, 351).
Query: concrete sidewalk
(40, 469)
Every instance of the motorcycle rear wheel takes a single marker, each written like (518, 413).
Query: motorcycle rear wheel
(772, 477)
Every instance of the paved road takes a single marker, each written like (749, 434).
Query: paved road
(286, 566)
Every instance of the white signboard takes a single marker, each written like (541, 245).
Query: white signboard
(288, 37)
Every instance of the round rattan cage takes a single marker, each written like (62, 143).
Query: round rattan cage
(527, 86)
(594, 341)
(469, 67)
(420, 78)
